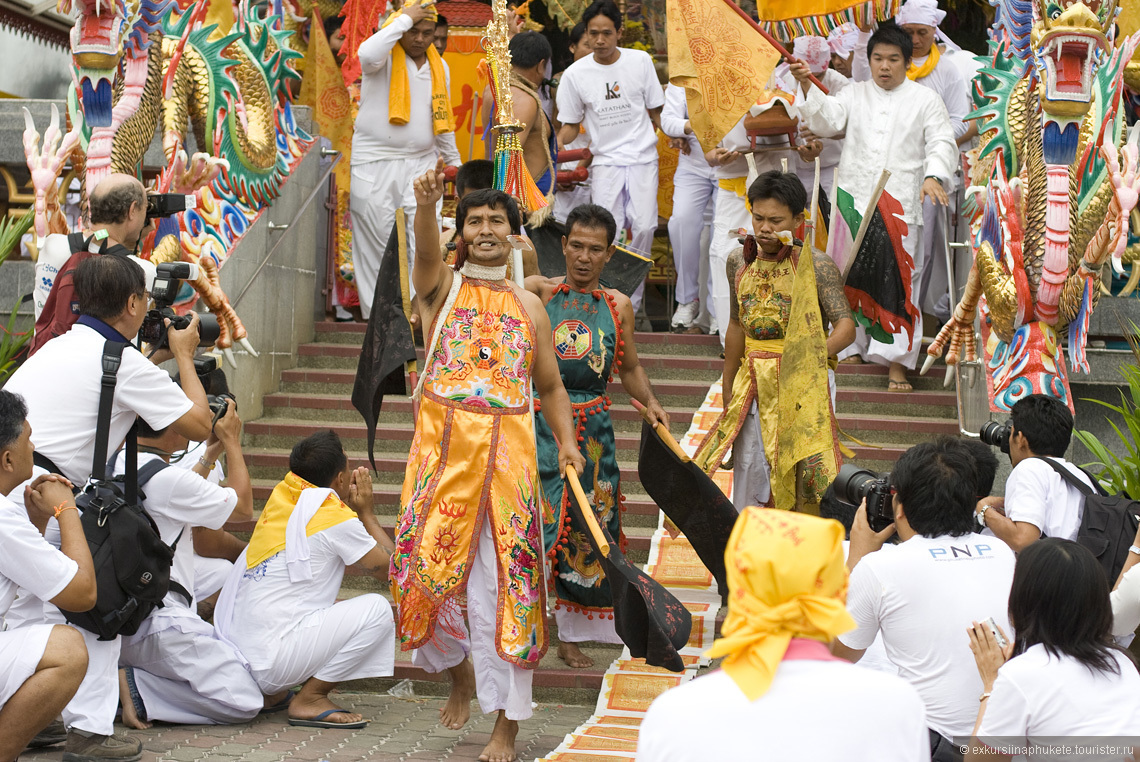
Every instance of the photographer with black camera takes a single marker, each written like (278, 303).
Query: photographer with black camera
(923, 593)
(62, 385)
(121, 215)
(1038, 500)
(176, 669)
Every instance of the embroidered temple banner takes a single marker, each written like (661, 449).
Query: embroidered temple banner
(720, 60)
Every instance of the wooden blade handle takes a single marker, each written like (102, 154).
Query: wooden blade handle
(664, 433)
(600, 543)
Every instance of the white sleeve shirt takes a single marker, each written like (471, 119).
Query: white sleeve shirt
(27, 560)
(1037, 495)
(61, 386)
(905, 130)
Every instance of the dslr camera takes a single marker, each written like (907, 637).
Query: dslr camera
(167, 280)
(217, 390)
(159, 205)
(996, 434)
(854, 484)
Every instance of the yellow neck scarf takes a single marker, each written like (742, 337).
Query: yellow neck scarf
(915, 73)
(786, 579)
(400, 93)
(268, 538)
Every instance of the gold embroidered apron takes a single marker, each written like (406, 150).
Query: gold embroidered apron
(797, 427)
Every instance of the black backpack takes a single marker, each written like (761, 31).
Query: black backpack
(1108, 522)
(132, 563)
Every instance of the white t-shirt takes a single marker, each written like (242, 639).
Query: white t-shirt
(1037, 494)
(267, 604)
(178, 499)
(923, 594)
(612, 100)
(54, 254)
(27, 561)
(811, 712)
(1038, 696)
(61, 383)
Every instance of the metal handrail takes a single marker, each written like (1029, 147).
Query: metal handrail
(292, 224)
(967, 368)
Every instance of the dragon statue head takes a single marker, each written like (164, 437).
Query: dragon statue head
(1069, 41)
(105, 32)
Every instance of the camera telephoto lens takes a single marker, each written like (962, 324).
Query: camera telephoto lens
(996, 435)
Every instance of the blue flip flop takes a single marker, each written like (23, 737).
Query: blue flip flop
(320, 722)
(283, 704)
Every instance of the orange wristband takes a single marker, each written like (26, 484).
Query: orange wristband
(64, 507)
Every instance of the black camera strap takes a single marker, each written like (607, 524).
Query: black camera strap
(112, 359)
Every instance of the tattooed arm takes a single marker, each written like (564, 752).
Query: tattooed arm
(833, 304)
(734, 334)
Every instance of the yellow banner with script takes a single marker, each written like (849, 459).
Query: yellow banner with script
(720, 60)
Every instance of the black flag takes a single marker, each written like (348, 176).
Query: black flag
(388, 344)
(690, 499)
(652, 623)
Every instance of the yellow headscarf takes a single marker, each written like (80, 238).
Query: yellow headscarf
(268, 538)
(399, 91)
(786, 579)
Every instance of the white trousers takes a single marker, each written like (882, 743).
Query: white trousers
(731, 214)
(93, 707)
(350, 640)
(565, 201)
(576, 627)
(185, 675)
(885, 354)
(693, 192)
(209, 576)
(630, 193)
(378, 189)
(20, 653)
(935, 291)
(751, 472)
(499, 684)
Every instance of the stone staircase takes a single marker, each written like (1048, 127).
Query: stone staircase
(315, 395)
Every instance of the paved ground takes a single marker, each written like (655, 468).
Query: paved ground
(401, 729)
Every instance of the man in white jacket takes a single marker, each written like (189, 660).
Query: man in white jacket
(895, 124)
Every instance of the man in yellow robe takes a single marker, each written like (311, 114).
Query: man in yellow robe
(471, 522)
(777, 416)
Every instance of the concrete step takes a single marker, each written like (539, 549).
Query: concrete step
(346, 356)
(340, 380)
(638, 537)
(679, 344)
(640, 510)
(273, 463)
(393, 438)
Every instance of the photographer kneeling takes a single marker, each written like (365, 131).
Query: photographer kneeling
(175, 668)
(922, 593)
(1037, 499)
(61, 386)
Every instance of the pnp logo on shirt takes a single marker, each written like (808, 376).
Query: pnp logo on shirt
(954, 551)
(613, 91)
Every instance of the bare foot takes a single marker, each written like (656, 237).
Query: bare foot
(896, 379)
(130, 714)
(573, 656)
(313, 699)
(501, 747)
(457, 710)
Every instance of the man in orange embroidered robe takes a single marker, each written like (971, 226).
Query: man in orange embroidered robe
(471, 522)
